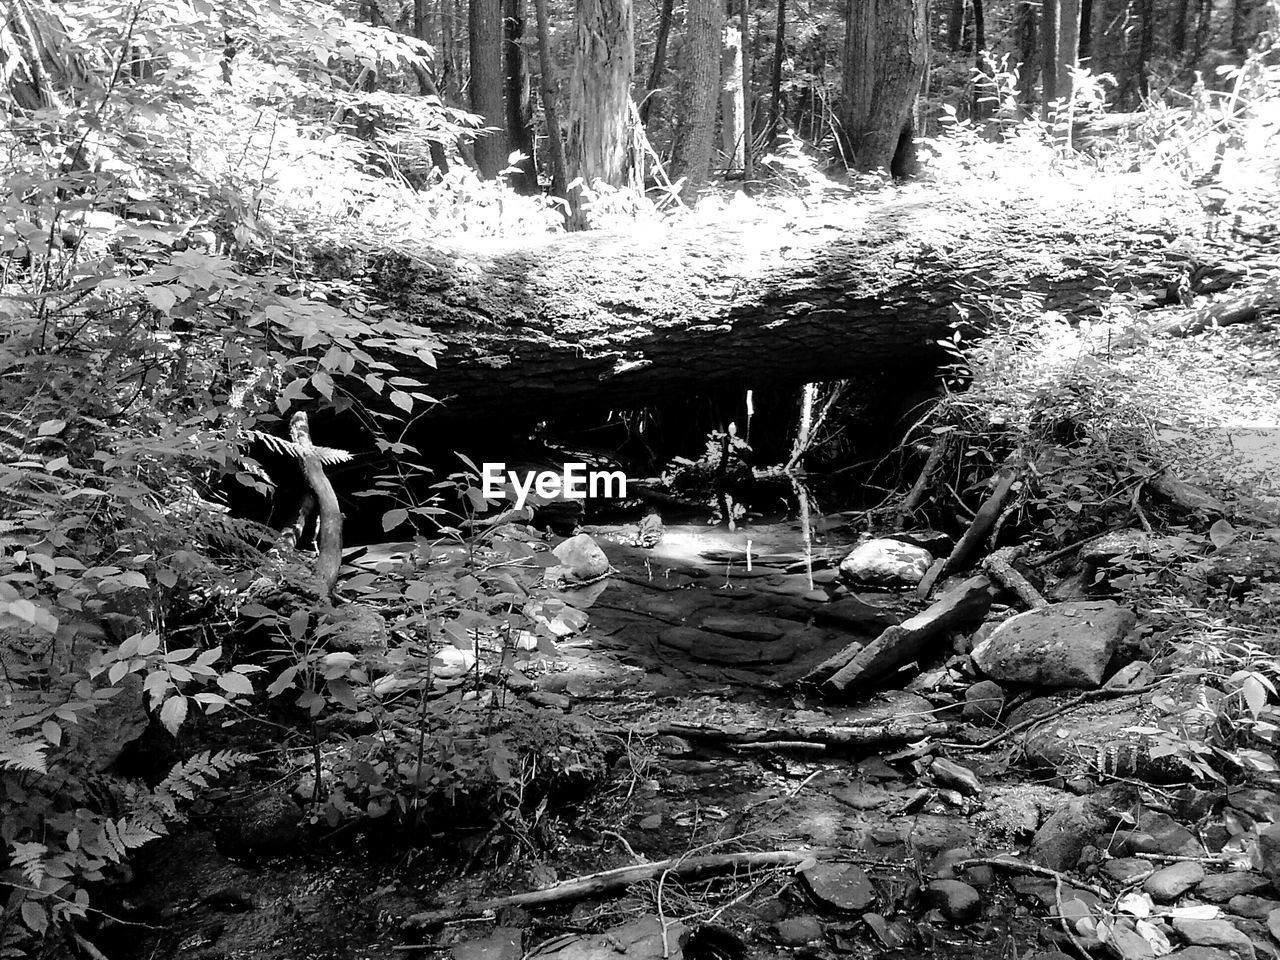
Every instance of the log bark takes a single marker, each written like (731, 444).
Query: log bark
(534, 327)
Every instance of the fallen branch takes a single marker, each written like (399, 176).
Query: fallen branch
(974, 536)
(1021, 866)
(921, 486)
(864, 735)
(1225, 313)
(906, 641)
(999, 567)
(611, 881)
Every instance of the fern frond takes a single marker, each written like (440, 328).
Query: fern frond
(188, 776)
(23, 755)
(328, 455)
(29, 858)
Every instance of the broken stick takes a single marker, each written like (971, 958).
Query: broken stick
(982, 523)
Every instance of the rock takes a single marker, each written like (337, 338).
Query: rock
(580, 559)
(1200, 953)
(644, 939)
(1269, 853)
(983, 702)
(1118, 543)
(1173, 881)
(1241, 564)
(758, 629)
(956, 776)
(854, 613)
(844, 886)
(1273, 923)
(716, 648)
(1256, 802)
(504, 943)
(1136, 674)
(1060, 645)
(1124, 942)
(1223, 886)
(889, 564)
(1215, 933)
(1158, 833)
(1127, 869)
(360, 629)
(266, 824)
(797, 931)
(957, 901)
(1063, 837)
(1254, 908)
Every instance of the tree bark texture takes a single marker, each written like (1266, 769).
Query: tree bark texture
(488, 84)
(700, 86)
(600, 93)
(1049, 91)
(731, 118)
(659, 65)
(1068, 56)
(775, 81)
(748, 58)
(519, 103)
(1028, 67)
(550, 107)
(540, 326)
(885, 51)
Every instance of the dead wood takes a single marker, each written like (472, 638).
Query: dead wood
(999, 567)
(975, 535)
(1244, 309)
(875, 734)
(613, 881)
(921, 486)
(329, 525)
(906, 641)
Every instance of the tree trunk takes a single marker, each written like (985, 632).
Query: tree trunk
(885, 50)
(775, 82)
(1146, 27)
(659, 66)
(1204, 26)
(1182, 13)
(1068, 46)
(1086, 31)
(487, 84)
(520, 128)
(551, 112)
(984, 94)
(1028, 65)
(691, 156)
(600, 96)
(540, 327)
(955, 24)
(731, 120)
(1049, 56)
(1241, 19)
(748, 57)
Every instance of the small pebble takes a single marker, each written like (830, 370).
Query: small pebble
(1173, 881)
(957, 901)
(797, 931)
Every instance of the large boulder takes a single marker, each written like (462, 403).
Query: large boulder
(887, 564)
(1060, 645)
(581, 559)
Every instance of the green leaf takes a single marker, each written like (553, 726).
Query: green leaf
(402, 400)
(173, 713)
(393, 518)
(51, 428)
(236, 683)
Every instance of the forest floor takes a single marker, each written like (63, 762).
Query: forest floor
(690, 659)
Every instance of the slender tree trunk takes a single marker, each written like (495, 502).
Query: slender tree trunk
(1049, 56)
(559, 168)
(1068, 45)
(1028, 65)
(1178, 38)
(427, 86)
(448, 69)
(1241, 18)
(885, 51)
(420, 19)
(691, 156)
(983, 94)
(775, 82)
(1146, 27)
(520, 127)
(955, 24)
(731, 120)
(488, 84)
(1204, 26)
(1086, 31)
(748, 57)
(659, 66)
(600, 96)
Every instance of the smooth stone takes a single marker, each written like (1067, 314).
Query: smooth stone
(844, 886)
(958, 777)
(854, 613)
(1127, 869)
(886, 563)
(797, 931)
(1215, 933)
(1173, 881)
(1269, 853)
(1126, 943)
(1223, 886)
(957, 901)
(1273, 923)
(983, 702)
(1254, 908)
(1200, 953)
(756, 629)
(716, 648)
(1159, 833)
(1062, 838)
(582, 558)
(1067, 644)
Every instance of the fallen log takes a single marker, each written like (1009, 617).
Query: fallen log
(865, 735)
(905, 642)
(973, 537)
(1248, 308)
(612, 881)
(530, 327)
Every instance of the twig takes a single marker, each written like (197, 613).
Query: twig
(976, 533)
(611, 881)
(921, 486)
(999, 566)
(638, 857)
(1021, 866)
